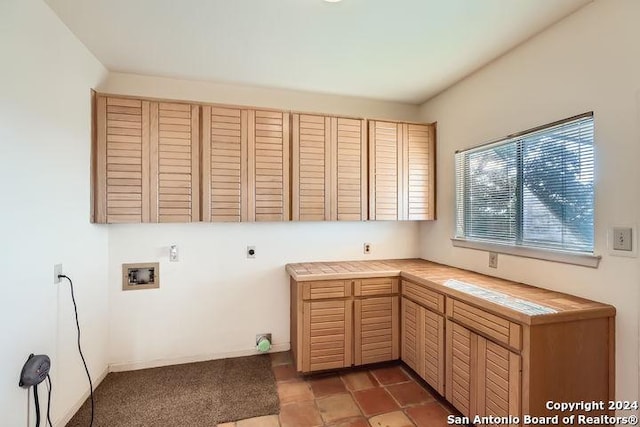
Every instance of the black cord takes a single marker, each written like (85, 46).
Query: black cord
(50, 386)
(37, 402)
(75, 309)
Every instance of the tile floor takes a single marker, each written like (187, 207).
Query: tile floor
(379, 397)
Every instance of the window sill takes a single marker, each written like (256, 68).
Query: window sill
(584, 260)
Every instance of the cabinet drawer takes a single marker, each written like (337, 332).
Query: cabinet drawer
(326, 289)
(378, 286)
(424, 296)
(489, 325)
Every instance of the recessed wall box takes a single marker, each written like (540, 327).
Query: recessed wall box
(140, 276)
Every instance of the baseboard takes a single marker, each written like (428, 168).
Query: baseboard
(72, 411)
(133, 366)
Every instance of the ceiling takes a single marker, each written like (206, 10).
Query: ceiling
(403, 50)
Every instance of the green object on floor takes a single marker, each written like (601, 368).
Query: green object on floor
(263, 344)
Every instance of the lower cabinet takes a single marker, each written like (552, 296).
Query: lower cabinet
(340, 323)
(327, 328)
(423, 344)
(488, 361)
(377, 329)
(483, 378)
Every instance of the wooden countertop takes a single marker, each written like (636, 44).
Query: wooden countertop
(434, 276)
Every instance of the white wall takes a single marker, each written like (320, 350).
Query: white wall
(45, 139)
(588, 62)
(213, 302)
(161, 87)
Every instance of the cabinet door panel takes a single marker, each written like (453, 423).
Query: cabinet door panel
(420, 174)
(327, 334)
(122, 160)
(498, 380)
(401, 171)
(268, 165)
(385, 166)
(410, 339)
(175, 162)
(311, 167)
(224, 164)
(329, 173)
(376, 330)
(349, 195)
(461, 351)
(432, 367)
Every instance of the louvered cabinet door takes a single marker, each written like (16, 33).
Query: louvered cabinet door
(327, 335)
(122, 160)
(410, 340)
(432, 362)
(376, 329)
(498, 380)
(268, 166)
(349, 157)
(419, 171)
(385, 170)
(461, 351)
(311, 168)
(175, 162)
(224, 164)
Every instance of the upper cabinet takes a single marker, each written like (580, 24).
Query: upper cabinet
(245, 165)
(401, 171)
(175, 162)
(268, 165)
(146, 161)
(329, 172)
(165, 161)
(224, 164)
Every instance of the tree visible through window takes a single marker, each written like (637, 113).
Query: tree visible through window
(535, 189)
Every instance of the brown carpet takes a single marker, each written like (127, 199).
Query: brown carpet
(193, 394)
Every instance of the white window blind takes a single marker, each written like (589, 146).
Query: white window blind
(531, 190)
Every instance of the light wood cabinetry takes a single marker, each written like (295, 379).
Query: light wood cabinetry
(146, 161)
(340, 323)
(171, 161)
(377, 329)
(423, 343)
(224, 164)
(328, 330)
(268, 168)
(401, 171)
(489, 357)
(329, 172)
(245, 165)
(483, 378)
(174, 162)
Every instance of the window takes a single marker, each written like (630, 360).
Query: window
(533, 190)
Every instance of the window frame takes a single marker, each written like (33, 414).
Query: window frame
(587, 259)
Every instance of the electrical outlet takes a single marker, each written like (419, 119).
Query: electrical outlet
(367, 248)
(622, 239)
(251, 251)
(493, 259)
(173, 253)
(57, 271)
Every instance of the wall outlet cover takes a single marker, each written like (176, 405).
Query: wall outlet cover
(622, 240)
(493, 259)
(173, 253)
(57, 271)
(251, 251)
(367, 248)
